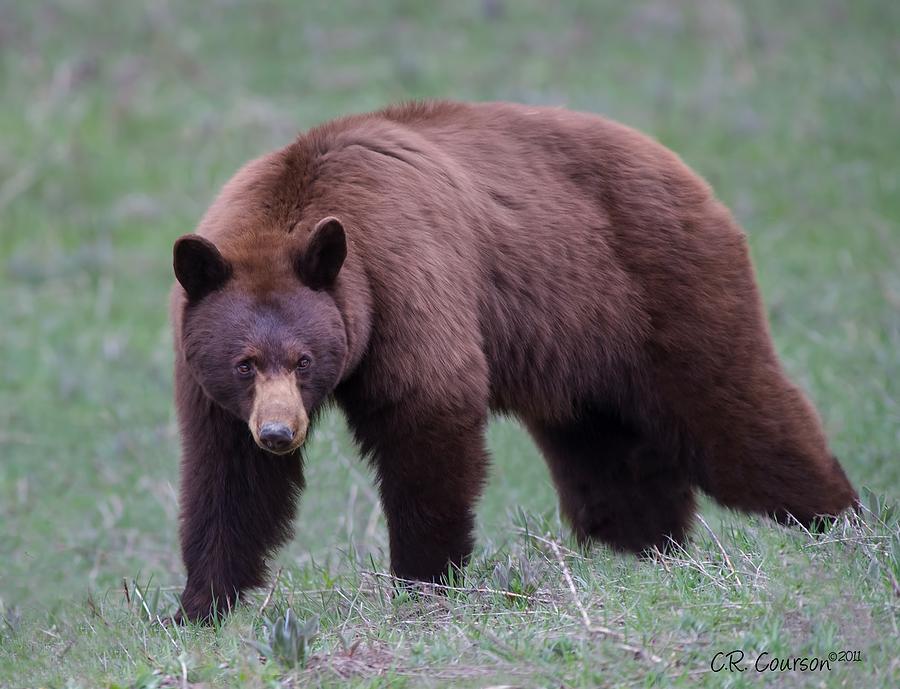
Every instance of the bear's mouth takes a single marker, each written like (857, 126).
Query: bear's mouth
(276, 448)
(278, 438)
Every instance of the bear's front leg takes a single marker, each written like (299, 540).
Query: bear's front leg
(431, 468)
(237, 503)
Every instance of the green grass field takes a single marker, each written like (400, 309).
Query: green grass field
(118, 123)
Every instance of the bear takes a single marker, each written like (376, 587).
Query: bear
(432, 263)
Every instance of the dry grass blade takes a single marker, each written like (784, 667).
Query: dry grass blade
(619, 639)
(268, 597)
(459, 589)
(547, 541)
(721, 548)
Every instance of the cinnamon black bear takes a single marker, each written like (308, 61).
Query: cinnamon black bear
(430, 263)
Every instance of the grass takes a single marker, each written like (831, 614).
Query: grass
(119, 122)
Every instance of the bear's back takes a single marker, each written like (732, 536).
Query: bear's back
(560, 231)
(530, 231)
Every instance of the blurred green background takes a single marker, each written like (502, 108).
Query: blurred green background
(120, 120)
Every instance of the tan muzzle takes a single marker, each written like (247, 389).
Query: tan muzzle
(278, 419)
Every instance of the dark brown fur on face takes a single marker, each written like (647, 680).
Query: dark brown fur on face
(441, 261)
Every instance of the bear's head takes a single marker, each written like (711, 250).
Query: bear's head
(272, 355)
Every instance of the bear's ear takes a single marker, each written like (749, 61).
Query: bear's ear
(324, 254)
(199, 266)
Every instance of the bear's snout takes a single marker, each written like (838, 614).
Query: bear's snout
(279, 437)
(278, 420)
(275, 436)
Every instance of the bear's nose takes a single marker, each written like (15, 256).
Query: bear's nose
(275, 436)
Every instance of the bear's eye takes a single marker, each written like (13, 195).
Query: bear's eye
(244, 369)
(304, 362)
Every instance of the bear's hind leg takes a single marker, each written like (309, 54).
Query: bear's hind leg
(614, 485)
(774, 461)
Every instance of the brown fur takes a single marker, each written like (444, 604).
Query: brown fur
(531, 261)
